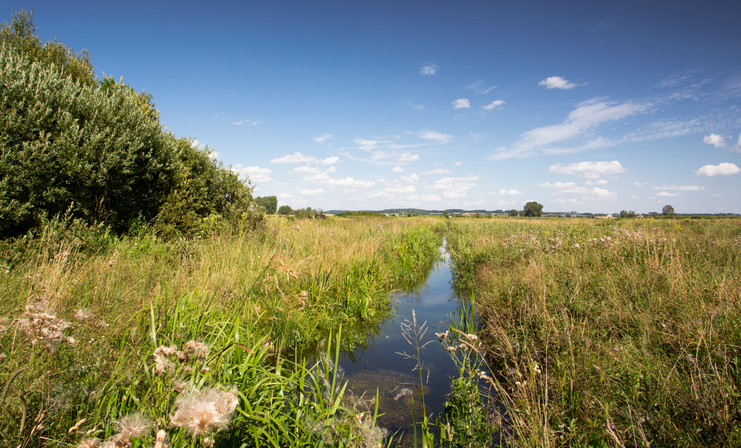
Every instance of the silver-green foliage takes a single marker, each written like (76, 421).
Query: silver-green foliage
(67, 146)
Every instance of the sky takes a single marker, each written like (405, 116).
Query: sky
(368, 105)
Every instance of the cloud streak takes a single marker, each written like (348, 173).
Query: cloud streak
(580, 122)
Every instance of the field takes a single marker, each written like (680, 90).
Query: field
(603, 333)
(89, 319)
(595, 333)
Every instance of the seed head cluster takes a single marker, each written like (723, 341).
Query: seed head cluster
(191, 350)
(206, 410)
(42, 326)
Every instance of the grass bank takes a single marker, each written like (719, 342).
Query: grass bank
(625, 333)
(89, 322)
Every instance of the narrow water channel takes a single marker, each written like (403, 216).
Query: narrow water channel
(379, 366)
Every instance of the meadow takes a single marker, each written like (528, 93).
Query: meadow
(581, 333)
(608, 333)
(109, 339)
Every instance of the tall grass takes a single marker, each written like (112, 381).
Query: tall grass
(610, 334)
(92, 317)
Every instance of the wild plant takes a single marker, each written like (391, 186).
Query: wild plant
(414, 335)
(471, 417)
(609, 334)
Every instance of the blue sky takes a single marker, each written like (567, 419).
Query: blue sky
(584, 106)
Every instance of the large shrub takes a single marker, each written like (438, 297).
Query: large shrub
(68, 147)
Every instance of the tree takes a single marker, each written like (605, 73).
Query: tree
(21, 35)
(533, 209)
(667, 210)
(100, 155)
(514, 212)
(285, 210)
(446, 215)
(269, 203)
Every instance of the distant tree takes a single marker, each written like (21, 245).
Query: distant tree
(533, 209)
(446, 215)
(269, 203)
(667, 210)
(285, 210)
(514, 212)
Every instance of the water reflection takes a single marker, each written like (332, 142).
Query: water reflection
(378, 365)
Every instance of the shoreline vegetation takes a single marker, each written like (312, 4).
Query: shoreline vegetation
(123, 326)
(609, 334)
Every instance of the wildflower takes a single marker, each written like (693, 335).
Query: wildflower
(205, 370)
(472, 337)
(40, 325)
(441, 336)
(203, 411)
(198, 349)
(180, 385)
(3, 356)
(160, 440)
(167, 351)
(452, 349)
(82, 314)
(133, 426)
(89, 443)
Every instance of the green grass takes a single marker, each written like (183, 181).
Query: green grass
(255, 299)
(609, 335)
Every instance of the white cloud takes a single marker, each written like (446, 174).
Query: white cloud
(305, 170)
(254, 173)
(285, 196)
(493, 104)
(322, 137)
(213, 155)
(397, 169)
(478, 88)
(312, 192)
(297, 157)
(640, 184)
(413, 105)
(597, 182)
(455, 187)
(570, 188)
(559, 185)
(424, 197)
(679, 188)
(666, 194)
(556, 82)
(722, 169)
(737, 146)
(196, 144)
(404, 184)
(408, 157)
(577, 129)
(588, 170)
(239, 123)
(458, 163)
(461, 103)
(435, 171)
(429, 69)
(715, 140)
(510, 192)
(432, 135)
